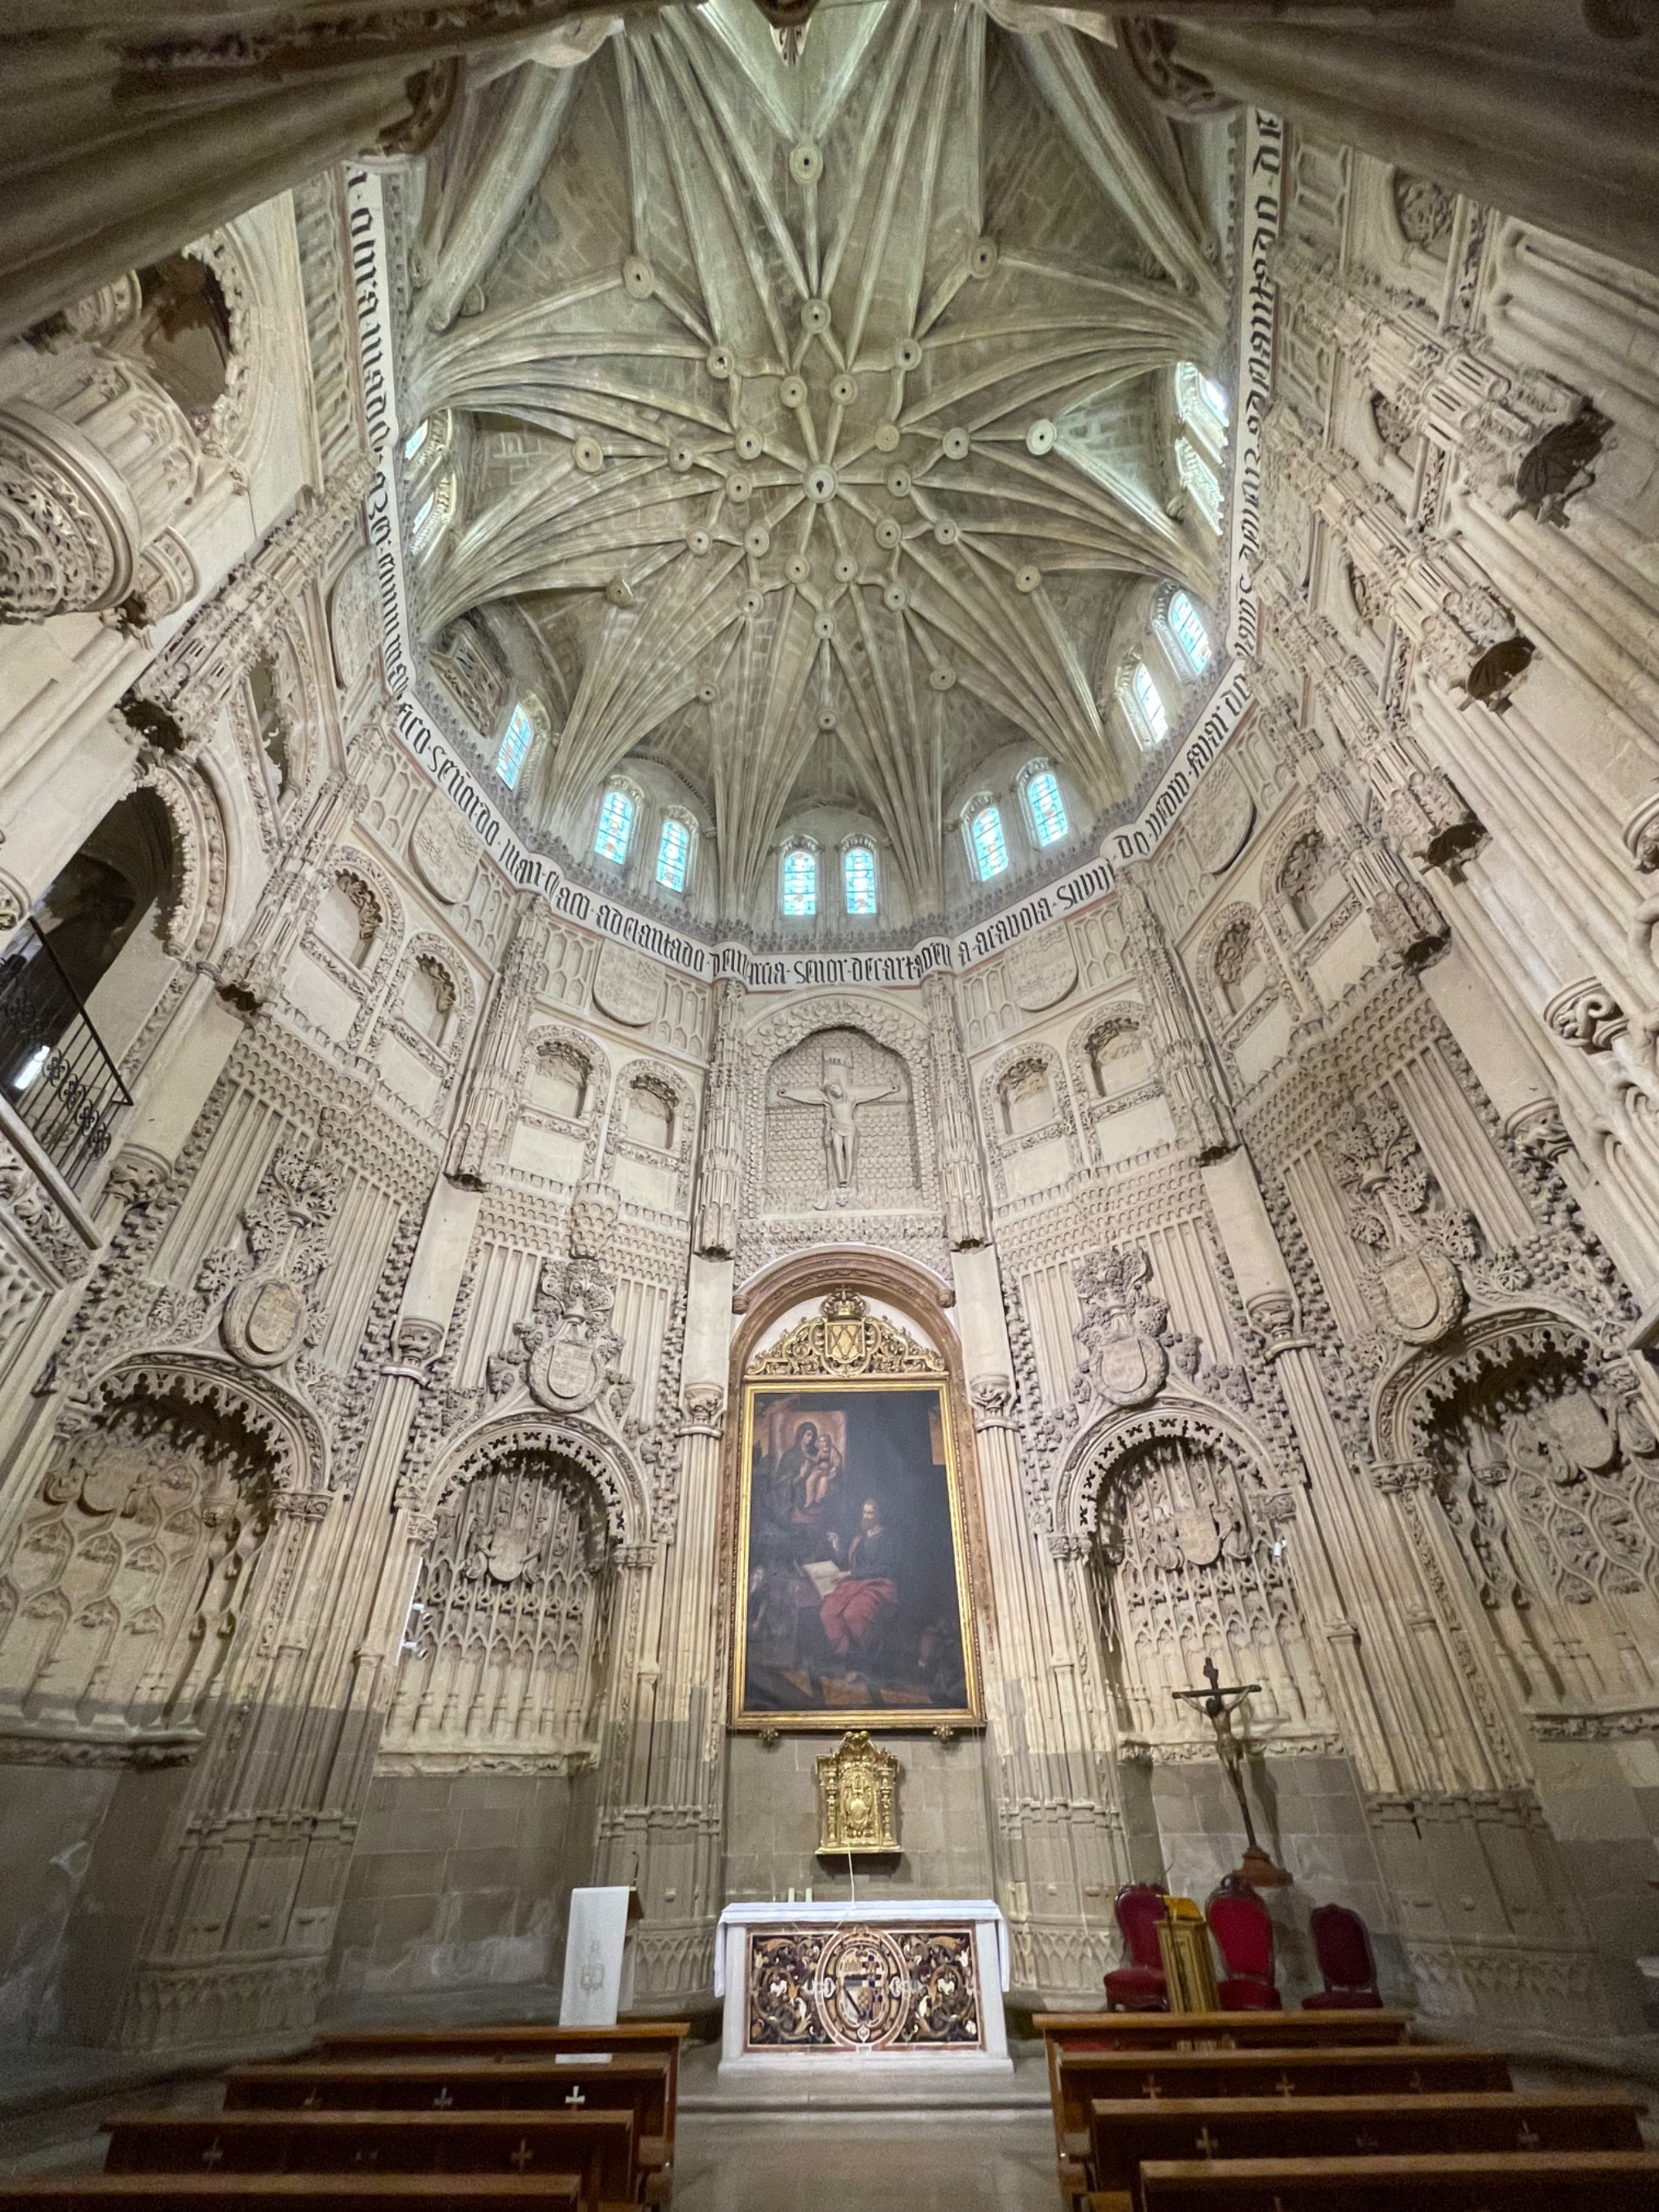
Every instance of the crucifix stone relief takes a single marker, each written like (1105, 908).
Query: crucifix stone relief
(841, 1096)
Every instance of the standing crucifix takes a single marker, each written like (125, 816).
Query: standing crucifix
(1218, 1704)
(841, 1098)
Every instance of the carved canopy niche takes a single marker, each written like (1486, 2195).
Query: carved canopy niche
(126, 1578)
(1191, 1559)
(503, 1665)
(1539, 1453)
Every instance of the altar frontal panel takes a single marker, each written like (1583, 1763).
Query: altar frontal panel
(854, 1988)
(852, 1597)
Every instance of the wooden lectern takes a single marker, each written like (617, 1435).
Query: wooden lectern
(1183, 1942)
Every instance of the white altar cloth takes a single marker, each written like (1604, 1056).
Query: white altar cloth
(820, 2065)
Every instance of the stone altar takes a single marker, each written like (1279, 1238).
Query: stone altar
(911, 1990)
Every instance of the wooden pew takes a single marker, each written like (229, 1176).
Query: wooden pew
(635, 2084)
(339, 2193)
(1198, 2031)
(1127, 2131)
(448, 2084)
(1512, 2181)
(597, 2147)
(1373, 2070)
(1218, 2031)
(660, 2039)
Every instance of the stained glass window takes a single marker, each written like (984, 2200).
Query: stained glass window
(610, 839)
(858, 875)
(1203, 403)
(1187, 628)
(422, 517)
(990, 847)
(1042, 797)
(673, 853)
(515, 743)
(800, 891)
(1155, 722)
(416, 439)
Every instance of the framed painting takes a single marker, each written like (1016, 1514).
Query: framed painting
(853, 1595)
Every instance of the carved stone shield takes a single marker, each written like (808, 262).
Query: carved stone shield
(445, 851)
(1130, 1370)
(1420, 1295)
(508, 1550)
(1042, 969)
(566, 1373)
(627, 987)
(1581, 1429)
(263, 1319)
(1201, 1538)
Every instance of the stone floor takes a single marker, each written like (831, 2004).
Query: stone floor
(847, 2162)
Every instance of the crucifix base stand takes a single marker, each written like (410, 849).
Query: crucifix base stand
(1260, 1871)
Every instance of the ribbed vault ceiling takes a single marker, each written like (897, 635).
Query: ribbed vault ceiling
(813, 407)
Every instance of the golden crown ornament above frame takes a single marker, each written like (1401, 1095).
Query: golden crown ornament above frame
(858, 1799)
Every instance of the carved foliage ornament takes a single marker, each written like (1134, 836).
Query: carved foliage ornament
(845, 1339)
(857, 1797)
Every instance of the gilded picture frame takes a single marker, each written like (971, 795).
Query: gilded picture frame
(853, 1600)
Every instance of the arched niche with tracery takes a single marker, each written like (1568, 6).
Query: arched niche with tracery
(1527, 1455)
(126, 1579)
(506, 1659)
(1187, 1534)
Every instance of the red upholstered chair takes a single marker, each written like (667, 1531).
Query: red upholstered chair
(1138, 1985)
(1342, 1945)
(1238, 1921)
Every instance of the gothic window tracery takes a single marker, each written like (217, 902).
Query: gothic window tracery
(1190, 1561)
(123, 1584)
(1545, 1466)
(559, 1081)
(514, 747)
(503, 1662)
(797, 882)
(1143, 705)
(613, 833)
(1200, 479)
(1184, 627)
(987, 844)
(674, 849)
(858, 875)
(1045, 804)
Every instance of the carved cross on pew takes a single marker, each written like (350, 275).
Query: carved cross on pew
(443, 2101)
(1207, 2143)
(575, 2098)
(214, 2154)
(523, 2156)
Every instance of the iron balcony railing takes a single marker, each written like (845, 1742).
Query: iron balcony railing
(54, 1070)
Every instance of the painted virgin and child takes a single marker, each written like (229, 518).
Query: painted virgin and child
(853, 1575)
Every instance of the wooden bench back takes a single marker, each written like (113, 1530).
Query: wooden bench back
(1386, 2070)
(448, 2084)
(658, 2038)
(1124, 2132)
(1234, 2031)
(1521, 2181)
(339, 2193)
(600, 2148)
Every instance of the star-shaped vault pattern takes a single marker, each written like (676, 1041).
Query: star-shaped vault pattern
(760, 380)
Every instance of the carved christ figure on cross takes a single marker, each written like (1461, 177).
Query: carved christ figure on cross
(841, 1098)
